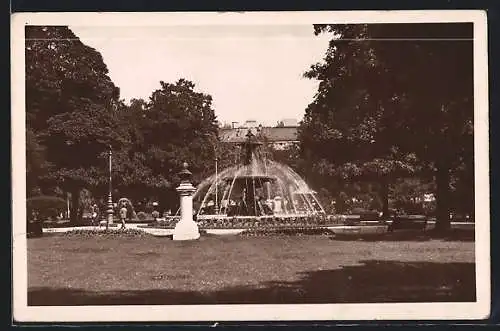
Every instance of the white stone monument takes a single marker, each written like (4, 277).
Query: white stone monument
(186, 228)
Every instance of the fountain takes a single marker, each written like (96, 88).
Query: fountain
(257, 188)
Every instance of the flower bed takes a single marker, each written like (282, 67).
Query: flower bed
(288, 231)
(164, 223)
(256, 222)
(53, 225)
(110, 233)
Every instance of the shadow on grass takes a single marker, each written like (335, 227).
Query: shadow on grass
(411, 235)
(372, 281)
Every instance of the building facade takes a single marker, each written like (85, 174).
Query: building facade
(280, 137)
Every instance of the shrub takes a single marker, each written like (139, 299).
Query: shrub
(358, 211)
(45, 206)
(110, 233)
(167, 223)
(283, 231)
(148, 208)
(254, 222)
(350, 220)
(34, 229)
(365, 214)
(142, 216)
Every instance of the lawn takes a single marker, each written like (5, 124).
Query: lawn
(235, 269)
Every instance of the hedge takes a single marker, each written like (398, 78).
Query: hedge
(255, 223)
(45, 206)
(110, 233)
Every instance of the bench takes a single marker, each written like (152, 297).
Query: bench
(408, 222)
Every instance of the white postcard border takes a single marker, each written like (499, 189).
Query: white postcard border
(383, 311)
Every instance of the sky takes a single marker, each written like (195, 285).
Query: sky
(252, 72)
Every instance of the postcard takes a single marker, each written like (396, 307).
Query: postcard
(255, 166)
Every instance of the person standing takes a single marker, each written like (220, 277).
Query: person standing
(123, 215)
(155, 213)
(95, 214)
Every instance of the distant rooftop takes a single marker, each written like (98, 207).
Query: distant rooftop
(273, 134)
(290, 122)
(250, 123)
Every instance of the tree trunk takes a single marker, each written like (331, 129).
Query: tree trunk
(385, 198)
(75, 206)
(442, 197)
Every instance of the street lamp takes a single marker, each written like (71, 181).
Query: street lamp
(109, 219)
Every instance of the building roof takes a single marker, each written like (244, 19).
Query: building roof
(272, 134)
(289, 122)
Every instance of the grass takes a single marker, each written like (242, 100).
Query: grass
(234, 269)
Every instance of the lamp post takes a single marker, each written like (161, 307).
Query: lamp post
(67, 206)
(216, 178)
(109, 219)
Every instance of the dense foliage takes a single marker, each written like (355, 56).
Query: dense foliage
(75, 117)
(42, 207)
(294, 231)
(393, 101)
(392, 121)
(110, 233)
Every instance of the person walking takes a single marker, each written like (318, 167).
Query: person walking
(123, 215)
(95, 214)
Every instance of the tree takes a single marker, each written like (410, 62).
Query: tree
(177, 125)
(36, 163)
(434, 70)
(289, 155)
(70, 103)
(74, 116)
(132, 176)
(408, 195)
(347, 131)
(62, 72)
(228, 155)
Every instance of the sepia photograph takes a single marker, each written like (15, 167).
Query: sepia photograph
(233, 166)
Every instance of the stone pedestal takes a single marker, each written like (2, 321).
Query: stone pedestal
(186, 228)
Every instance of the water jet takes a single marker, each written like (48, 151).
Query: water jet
(255, 188)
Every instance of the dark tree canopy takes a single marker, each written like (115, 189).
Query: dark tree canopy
(393, 99)
(71, 105)
(75, 116)
(179, 126)
(61, 74)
